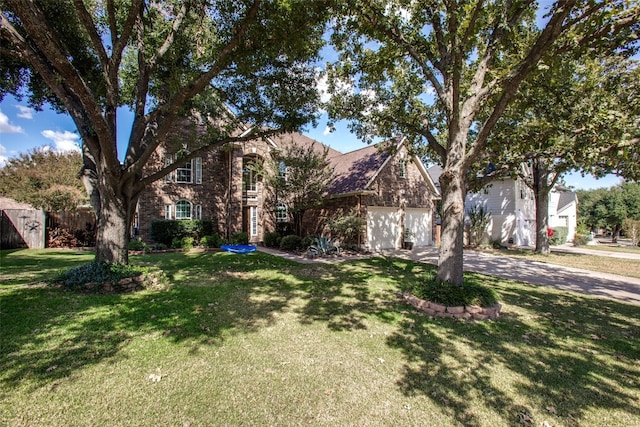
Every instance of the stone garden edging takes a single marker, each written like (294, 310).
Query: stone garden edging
(468, 312)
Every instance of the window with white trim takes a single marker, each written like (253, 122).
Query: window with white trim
(254, 220)
(282, 213)
(249, 175)
(167, 212)
(402, 168)
(282, 170)
(183, 209)
(189, 173)
(197, 212)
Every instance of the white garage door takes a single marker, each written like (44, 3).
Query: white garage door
(383, 228)
(419, 221)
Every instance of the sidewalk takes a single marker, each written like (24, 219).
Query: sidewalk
(569, 248)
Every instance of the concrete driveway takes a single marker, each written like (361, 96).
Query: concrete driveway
(613, 286)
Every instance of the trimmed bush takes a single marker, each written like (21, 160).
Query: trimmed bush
(212, 241)
(559, 236)
(241, 238)
(290, 243)
(138, 245)
(165, 231)
(272, 239)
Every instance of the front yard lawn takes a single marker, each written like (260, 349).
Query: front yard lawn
(258, 340)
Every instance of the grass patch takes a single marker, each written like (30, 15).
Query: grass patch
(602, 264)
(258, 340)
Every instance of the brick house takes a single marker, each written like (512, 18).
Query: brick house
(390, 188)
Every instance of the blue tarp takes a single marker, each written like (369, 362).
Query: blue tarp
(238, 249)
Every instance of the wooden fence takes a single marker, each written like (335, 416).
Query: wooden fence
(75, 228)
(22, 228)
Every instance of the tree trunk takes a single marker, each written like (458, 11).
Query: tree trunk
(541, 190)
(450, 262)
(114, 214)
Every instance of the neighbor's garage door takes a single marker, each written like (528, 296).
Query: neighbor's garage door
(383, 228)
(419, 221)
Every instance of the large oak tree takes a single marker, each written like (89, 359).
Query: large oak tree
(571, 114)
(428, 69)
(240, 64)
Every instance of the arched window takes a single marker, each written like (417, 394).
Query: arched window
(183, 210)
(250, 174)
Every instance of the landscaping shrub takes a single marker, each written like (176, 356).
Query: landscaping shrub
(138, 245)
(241, 238)
(96, 272)
(291, 243)
(212, 241)
(347, 228)
(453, 295)
(559, 236)
(581, 239)
(308, 241)
(272, 239)
(164, 231)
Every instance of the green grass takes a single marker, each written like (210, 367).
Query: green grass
(258, 340)
(603, 264)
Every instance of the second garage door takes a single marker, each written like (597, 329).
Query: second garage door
(419, 222)
(383, 228)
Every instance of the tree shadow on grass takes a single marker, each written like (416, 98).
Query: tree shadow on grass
(552, 349)
(557, 352)
(49, 333)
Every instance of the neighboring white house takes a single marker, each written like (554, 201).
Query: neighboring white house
(512, 206)
(563, 211)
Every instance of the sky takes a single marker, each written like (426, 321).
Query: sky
(23, 129)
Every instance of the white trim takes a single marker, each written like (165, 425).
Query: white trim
(253, 220)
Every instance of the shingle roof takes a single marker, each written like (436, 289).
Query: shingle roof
(566, 198)
(354, 170)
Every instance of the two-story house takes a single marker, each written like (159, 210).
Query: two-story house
(382, 183)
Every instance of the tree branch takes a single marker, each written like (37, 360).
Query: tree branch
(510, 86)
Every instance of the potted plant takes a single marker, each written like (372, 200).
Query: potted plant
(408, 236)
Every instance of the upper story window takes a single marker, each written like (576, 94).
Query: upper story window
(282, 213)
(402, 168)
(249, 175)
(189, 173)
(282, 170)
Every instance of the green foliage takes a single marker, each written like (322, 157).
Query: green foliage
(212, 241)
(272, 239)
(559, 237)
(291, 243)
(240, 238)
(632, 230)
(347, 228)
(76, 278)
(479, 218)
(609, 208)
(169, 62)
(298, 176)
(470, 293)
(44, 179)
(164, 231)
(138, 245)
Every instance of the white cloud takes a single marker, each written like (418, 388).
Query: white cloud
(6, 127)
(328, 130)
(64, 141)
(25, 112)
(3, 158)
